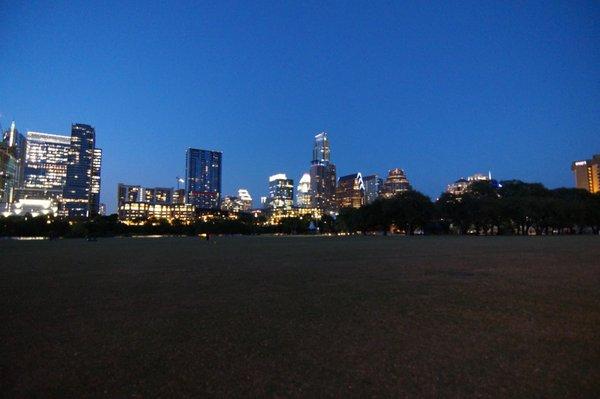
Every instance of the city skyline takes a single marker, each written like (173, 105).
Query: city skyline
(408, 89)
(112, 205)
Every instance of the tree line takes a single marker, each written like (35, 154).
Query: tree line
(111, 226)
(512, 208)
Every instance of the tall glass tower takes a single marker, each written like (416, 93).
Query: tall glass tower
(46, 161)
(203, 178)
(82, 189)
(281, 192)
(322, 176)
(321, 152)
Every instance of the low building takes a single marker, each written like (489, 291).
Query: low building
(275, 216)
(462, 185)
(240, 203)
(33, 207)
(138, 212)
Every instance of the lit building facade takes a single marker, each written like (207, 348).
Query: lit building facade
(179, 196)
(158, 195)
(203, 178)
(45, 171)
(150, 195)
(245, 198)
(34, 207)
(462, 185)
(128, 193)
(240, 203)
(396, 182)
(276, 216)
(322, 175)
(235, 204)
(303, 192)
(281, 192)
(350, 191)
(138, 212)
(373, 187)
(587, 174)
(79, 196)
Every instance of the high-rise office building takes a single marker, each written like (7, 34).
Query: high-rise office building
(203, 178)
(350, 192)
(8, 177)
(396, 182)
(281, 192)
(80, 195)
(15, 143)
(303, 192)
(96, 181)
(45, 171)
(322, 175)
(587, 174)
(373, 186)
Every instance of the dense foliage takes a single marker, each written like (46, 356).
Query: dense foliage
(513, 208)
(109, 226)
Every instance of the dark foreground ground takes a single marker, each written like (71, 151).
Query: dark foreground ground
(301, 317)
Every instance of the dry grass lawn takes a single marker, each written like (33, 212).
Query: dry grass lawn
(301, 317)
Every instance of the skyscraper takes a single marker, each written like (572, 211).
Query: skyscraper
(281, 192)
(396, 182)
(350, 191)
(15, 144)
(587, 174)
(303, 192)
(45, 171)
(82, 188)
(96, 180)
(322, 175)
(8, 177)
(373, 186)
(203, 178)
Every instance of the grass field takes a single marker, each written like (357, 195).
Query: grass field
(301, 317)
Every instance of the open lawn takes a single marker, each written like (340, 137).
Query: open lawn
(301, 317)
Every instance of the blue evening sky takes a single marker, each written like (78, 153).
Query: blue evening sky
(442, 90)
